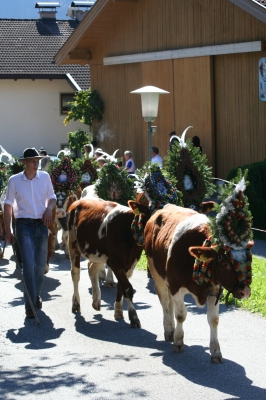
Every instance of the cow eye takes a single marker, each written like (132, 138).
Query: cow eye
(226, 265)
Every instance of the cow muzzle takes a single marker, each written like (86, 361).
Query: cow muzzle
(241, 291)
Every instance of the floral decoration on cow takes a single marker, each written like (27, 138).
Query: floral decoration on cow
(231, 232)
(64, 177)
(88, 171)
(3, 177)
(188, 170)
(232, 225)
(113, 184)
(156, 187)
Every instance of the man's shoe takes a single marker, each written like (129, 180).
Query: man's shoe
(39, 302)
(29, 313)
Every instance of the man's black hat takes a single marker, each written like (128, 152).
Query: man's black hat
(30, 153)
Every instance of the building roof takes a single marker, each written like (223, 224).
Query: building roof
(28, 47)
(260, 2)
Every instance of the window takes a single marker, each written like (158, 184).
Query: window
(65, 99)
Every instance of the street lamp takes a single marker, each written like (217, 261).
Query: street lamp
(149, 105)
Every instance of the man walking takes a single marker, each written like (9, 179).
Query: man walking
(31, 196)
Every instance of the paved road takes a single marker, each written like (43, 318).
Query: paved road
(93, 356)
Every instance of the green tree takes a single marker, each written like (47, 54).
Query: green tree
(78, 139)
(86, 107)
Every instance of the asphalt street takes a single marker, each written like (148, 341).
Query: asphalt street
(93, 356)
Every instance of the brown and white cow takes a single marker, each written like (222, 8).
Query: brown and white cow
(101, 231)
(173, 238)
(89, 193)
(60, 221)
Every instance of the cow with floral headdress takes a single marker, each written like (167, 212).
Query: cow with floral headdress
(190, 253)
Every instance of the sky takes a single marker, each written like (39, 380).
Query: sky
(25, 9)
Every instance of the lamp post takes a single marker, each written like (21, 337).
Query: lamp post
(149, 105)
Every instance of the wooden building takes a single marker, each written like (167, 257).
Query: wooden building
(205, 53)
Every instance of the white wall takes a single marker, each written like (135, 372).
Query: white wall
(30, 115)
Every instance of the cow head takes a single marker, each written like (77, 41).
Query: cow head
(141, 215)
(224, 268)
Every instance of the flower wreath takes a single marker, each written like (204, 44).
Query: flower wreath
(247, 278)
(137, 229)
(231, 230)
(70, 183)
(113, 184)
(159, 189)
(202, 270)
(185, 162)
(234, 222)
(87, 167)
(3, 179)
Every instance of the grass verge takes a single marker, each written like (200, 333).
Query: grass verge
(257, 301)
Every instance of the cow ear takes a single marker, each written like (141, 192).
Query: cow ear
(207, 206)
(138, 208)
(134, 206)
(203, 253)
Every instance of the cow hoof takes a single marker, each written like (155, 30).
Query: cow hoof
(118, 316)
(76, 308)
(135, 324)
(110, 284)
(178, 348)
(169, 337)
(96, 306)
(217, 358)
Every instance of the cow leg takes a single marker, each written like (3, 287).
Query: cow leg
(109, 278)
(118, 306)
(166, 302)
(180, 315)
(94, 269)
(64, 242)
(213, 320)
(75, 271)
(55, 239)
(101, 272)
(124, 288)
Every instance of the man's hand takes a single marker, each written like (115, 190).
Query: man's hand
(10, 237)
(47, 217)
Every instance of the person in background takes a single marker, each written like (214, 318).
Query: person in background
(30, 195)
(98, 153)
(130, 165)
(101, 161)
(87, 150)
(94, 144)
(155, 156)
(173, 138)
(42, 152)
(196, 143)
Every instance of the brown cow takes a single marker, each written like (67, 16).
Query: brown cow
(169, 236)
(101, 231)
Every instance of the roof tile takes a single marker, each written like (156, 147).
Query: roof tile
(29, 46)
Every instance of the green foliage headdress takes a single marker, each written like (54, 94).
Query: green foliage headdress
(188, 169)
(113, 184)
(232, 225)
